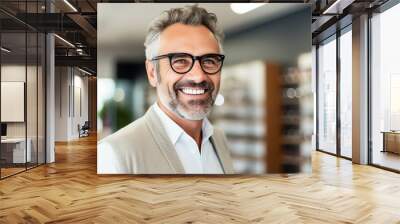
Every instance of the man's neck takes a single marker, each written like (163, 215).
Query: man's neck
(191, 127)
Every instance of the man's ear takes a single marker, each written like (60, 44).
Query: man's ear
(151, 73)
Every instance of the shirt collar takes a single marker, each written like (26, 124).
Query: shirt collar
(174, 131)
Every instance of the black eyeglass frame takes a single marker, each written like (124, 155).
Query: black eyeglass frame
(194, 58)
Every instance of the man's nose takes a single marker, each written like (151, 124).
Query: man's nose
(196, 73)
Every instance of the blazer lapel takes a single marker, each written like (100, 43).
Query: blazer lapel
(221, 151)
(161, 138)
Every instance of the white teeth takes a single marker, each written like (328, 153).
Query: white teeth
(193, 91)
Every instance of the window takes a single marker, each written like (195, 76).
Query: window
(385, 88)
(327, 95)
(346, 92)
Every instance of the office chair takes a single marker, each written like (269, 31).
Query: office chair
(84, 130)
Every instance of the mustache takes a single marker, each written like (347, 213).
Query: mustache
(189, 83)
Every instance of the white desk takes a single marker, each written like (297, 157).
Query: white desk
(19, 155)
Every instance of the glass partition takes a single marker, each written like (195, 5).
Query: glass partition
(14, 153)
(22, 87)
(31, 100)
(41, 109)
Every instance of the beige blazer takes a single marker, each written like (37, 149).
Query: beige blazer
(143, 147)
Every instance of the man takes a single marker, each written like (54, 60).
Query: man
(183, 61)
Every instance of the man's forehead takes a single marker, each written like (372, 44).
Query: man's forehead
(188, 37)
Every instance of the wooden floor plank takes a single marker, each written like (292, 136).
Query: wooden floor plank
(70, 191)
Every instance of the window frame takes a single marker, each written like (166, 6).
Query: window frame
(333, 37)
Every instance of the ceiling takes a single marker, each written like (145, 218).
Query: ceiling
(109, 24)
(129, 25)
(23, 48)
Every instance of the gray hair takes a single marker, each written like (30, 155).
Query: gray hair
(189, 15)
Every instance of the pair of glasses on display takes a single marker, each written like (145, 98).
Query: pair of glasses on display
(182, 63)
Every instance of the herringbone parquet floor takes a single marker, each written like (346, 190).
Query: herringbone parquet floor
(69, 191)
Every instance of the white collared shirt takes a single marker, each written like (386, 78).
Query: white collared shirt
(186, 147)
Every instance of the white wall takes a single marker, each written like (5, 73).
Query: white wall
(61, 103)
(71, 94)
(33, 126)
(12, 73)
(80, 100)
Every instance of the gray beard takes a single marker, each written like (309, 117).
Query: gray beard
(184, 112)
(193, 115)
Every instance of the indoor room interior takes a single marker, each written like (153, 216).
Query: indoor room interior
(24, 57)
(65, 85)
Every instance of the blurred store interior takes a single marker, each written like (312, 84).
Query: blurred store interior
(257, 44)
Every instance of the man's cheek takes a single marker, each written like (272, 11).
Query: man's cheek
(173, 92)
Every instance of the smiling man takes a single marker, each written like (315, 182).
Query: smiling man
(183, 62)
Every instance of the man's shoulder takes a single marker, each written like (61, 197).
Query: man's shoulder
(129, 133)
(219, 132)
(123, 151)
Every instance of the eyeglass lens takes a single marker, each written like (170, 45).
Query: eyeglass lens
(182, 63)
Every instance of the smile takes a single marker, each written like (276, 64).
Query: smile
(193, 91)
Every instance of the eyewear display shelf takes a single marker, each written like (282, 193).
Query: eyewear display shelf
(267, 117)
(242, 115)
(297, 120)
(289, 119)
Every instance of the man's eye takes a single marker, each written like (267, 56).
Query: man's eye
(210, 61)
(181, 61)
